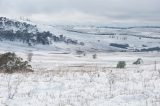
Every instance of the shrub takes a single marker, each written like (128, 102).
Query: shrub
(123, 46)
(10, 63)
(138, 61)
(94, 56)
(121, 64)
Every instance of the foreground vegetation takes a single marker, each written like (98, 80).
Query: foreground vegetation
(10, 63)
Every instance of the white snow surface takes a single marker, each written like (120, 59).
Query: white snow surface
(87, 85)
(63, 79)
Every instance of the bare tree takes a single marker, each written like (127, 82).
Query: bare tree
(111, 81)
(29, 57)
(94, 56)
(12, 86)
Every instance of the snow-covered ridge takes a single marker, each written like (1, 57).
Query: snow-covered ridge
(10, 24)
(29, 33)
(140, 38)
(81, 38)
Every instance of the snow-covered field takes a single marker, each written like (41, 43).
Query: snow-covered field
(99, 86)
(71, 80)
(46, 57)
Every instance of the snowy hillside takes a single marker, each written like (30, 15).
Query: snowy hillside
(81, 38)
(27, 32)
(136, 38)
(102, 38)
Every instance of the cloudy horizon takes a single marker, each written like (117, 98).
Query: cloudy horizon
(105, 12)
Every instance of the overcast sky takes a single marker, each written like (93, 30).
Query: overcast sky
(84, 11)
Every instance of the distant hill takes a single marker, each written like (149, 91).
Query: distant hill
(27, 33)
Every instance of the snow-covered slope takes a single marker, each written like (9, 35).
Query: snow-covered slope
(101, 38)
(136, 37)
(15, 25)
(33, 34)
(82, 38)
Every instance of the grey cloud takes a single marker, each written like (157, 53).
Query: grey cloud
(119, 10)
